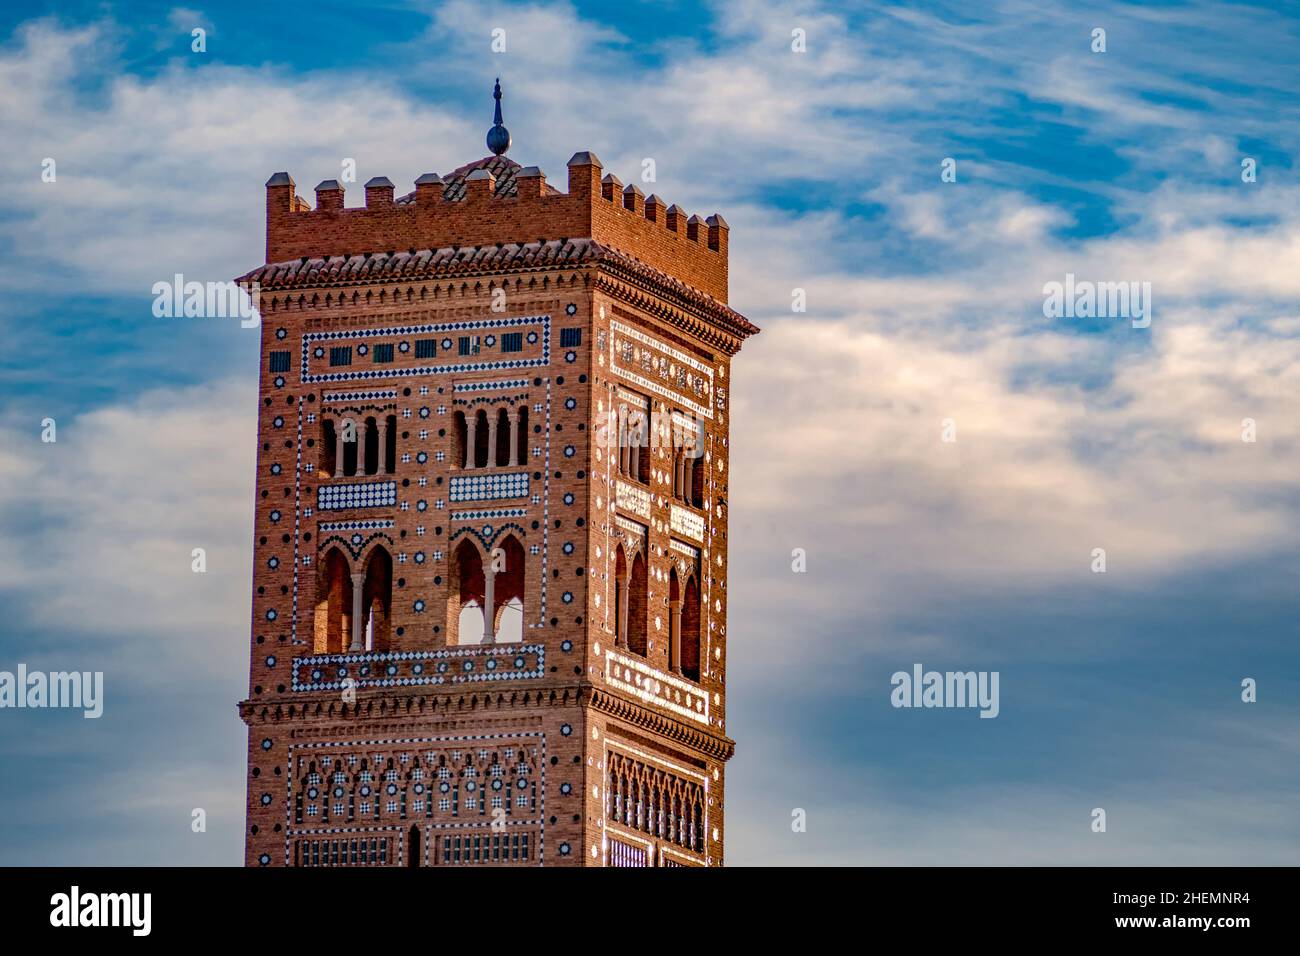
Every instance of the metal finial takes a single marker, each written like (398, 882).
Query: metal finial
(498, 137)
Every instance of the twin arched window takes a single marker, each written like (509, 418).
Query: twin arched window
(631, 617)
(352, 445)
(354, 604)
(630, 602)
(486, 600)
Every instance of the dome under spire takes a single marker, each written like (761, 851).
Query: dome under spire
(498, 137)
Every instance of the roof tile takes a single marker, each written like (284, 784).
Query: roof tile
(337, 270)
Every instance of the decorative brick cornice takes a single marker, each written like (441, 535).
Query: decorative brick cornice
(685, 319)
(503, 705)
(712, 745)
(620, 274)
(370, 705)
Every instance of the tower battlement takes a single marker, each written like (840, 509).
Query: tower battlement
(494, 200)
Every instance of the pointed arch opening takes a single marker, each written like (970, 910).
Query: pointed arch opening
(620, 597)
(328, 448)
(508, 573)
(413, 847)
(637, 606)
(377, 601)
(501, 451)
(690, 628)
(465, 596)
(694, 491)
(333, 622)
(674, 622)
(349, 434)
(480, 439)
(458, 452)
(369, 438)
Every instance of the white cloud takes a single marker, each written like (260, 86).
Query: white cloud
(117, 506)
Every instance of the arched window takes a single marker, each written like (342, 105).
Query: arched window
(465, 597)
(637, 605)
(694, 492)
(413, 847)
(333, 622)
(635, 434)
(624, 450)
(458, 451)
(350, 433)
(641, 466)
(370, 447)
(501, 451)
(687, 462)
(328, 448)
(674, 622)
(690, 628)
(620, 597)
(481, 439)
(377, 601)
(688, 468)
(508, 573)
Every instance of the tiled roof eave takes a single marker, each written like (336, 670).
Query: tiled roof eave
(470, 262)
(458, 261)
(676, 292)
(693, 321)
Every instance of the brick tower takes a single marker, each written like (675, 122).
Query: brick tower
(490, 552)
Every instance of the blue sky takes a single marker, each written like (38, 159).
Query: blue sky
(1118, 690)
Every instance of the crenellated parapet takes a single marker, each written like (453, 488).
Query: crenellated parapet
(496, 201)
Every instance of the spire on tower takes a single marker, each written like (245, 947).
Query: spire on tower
(498, 137)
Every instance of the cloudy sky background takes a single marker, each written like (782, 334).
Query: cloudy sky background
(1118, 690)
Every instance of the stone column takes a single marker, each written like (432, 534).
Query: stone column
(358, 586)
(489, 602)
(471, 430)
(385, 467)
(492, 437)
(688, 479)
(514, 437)
(338, 449)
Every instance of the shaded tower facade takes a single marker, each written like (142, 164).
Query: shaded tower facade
(490, 554)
